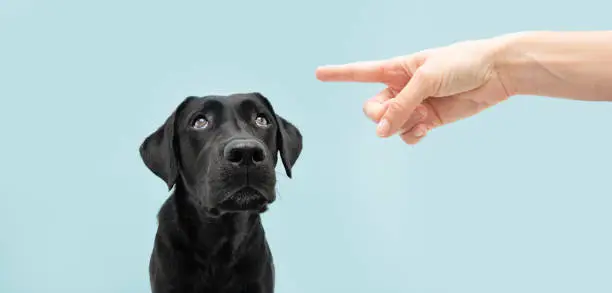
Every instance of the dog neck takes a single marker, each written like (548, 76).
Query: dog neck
(219, 236)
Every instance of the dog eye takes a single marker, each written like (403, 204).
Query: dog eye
(261, 121)
(200, 123)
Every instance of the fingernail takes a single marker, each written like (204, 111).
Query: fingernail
(418, 115)
(383, 127)
(419, 132)
(422, 112)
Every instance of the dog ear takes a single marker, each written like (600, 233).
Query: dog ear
(158, 150)
(288, 138)
(289, 141)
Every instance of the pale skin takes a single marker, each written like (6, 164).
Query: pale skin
(442, 85)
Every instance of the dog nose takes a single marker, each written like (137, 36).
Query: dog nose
(244, 152)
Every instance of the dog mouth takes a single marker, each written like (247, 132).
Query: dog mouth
(245, 199)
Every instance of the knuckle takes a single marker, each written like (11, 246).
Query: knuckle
(383, 69)
(396, 107)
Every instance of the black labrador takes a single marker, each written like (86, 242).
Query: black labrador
(219, 153)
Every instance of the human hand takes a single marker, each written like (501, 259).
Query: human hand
(429, 88)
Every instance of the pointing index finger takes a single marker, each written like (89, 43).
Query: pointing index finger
(365, 71)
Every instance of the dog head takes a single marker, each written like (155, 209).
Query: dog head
(223, 151)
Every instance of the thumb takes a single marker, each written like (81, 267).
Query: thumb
(421, 86)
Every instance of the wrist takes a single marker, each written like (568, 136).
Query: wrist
(574, 65)
(509, 61)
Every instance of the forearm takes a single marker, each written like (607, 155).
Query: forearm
(574, 65)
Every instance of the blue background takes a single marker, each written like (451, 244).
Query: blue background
(513, 200)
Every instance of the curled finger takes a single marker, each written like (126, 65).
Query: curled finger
(416, 134)
(419, 115)
(420, 87)
(375, 107)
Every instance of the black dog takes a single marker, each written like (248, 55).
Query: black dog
(219, 154)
